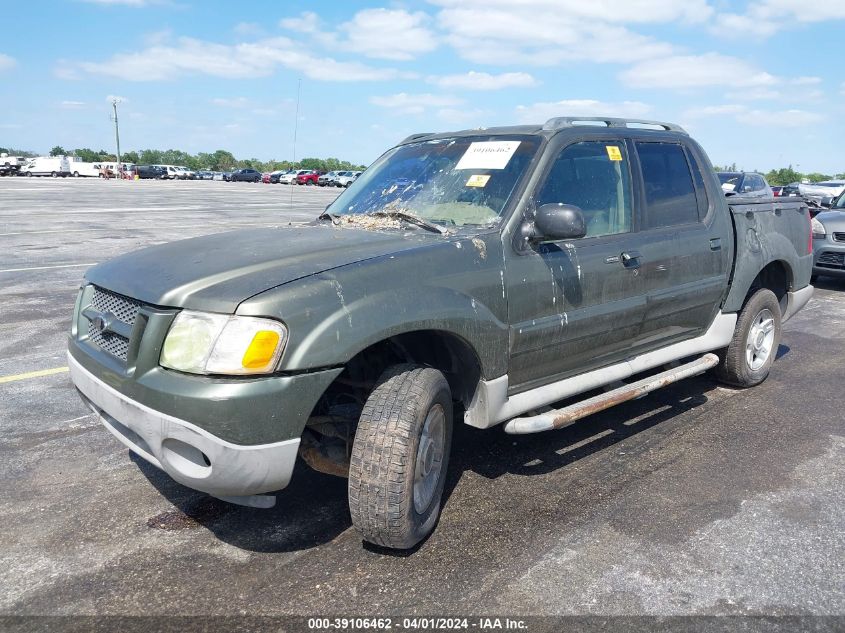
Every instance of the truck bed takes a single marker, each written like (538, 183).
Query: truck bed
(767, 229)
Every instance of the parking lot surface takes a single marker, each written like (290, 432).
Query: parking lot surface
(696, 499)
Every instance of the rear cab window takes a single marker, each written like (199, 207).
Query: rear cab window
(670, 196)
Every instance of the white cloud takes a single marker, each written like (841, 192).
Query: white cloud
(7, 62)
(71, 105)
(781, 118)
(517, 34)
(307, 22)
(127, 3)
(233, 102)
(484, 81)
(749, 116)
(540, 112)
(766, 17)
(388, 34)
(696, 71)
(621, 11)
(248, 29)
(414, 103)
(189, 56)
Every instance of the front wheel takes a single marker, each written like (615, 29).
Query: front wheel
(53, 174)
(400, 456)
(749, 357)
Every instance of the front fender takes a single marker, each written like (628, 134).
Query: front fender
(334, 315)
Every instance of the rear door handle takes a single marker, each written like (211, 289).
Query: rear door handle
(716, 244)
(631, 259)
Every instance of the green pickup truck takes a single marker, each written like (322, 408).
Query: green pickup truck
(486, 274)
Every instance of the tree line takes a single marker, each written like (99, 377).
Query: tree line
(787, 175)
(221, 160)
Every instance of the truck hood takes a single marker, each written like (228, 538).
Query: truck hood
(217, 272)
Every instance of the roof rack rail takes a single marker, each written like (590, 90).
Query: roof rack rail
(570, 121)
(414, 137)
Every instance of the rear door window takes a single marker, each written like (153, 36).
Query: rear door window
(669, 192)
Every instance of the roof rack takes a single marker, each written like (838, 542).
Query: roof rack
(414, 137)
(570, 121)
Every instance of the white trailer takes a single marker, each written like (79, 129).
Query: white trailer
(54, 166)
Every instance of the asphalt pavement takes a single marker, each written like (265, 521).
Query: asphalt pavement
(694, 500)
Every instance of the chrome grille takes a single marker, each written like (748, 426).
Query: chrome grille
(839, 237)
(124, 309)
(114, 344)
(831, 260)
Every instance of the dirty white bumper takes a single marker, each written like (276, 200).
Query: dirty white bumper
(187, 453)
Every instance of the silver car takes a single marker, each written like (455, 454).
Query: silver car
(829, 241)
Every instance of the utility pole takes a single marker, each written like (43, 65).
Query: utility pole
(296, 119)
(114, 103)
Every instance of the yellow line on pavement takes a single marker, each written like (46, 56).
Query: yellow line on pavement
(33, 374)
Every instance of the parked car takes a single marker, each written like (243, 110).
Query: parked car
(522, 269)
(205, 174)
(273, 176)
(245, 175)
(149, 172)
(265, 178)
(223, 175)
(46, 166)
(776, 189)
(327, 179)
(171, 171)
(289, 177)
(309, 177)
(829, 240)
(819, 190)
(746, 184)
(790, 190)
(346, 178)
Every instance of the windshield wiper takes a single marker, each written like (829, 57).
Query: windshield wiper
(413, 219)
(325, 215)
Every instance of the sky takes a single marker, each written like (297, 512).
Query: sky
(758, 83)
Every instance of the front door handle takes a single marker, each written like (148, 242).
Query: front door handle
(631, 259)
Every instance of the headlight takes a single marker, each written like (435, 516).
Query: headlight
(204, 343)
(818, 229)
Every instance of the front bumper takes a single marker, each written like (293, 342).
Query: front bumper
(829, 257)
(192, 456)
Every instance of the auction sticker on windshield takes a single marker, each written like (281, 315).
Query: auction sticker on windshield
(487, 155)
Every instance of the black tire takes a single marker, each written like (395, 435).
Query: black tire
(53, 174)
(29, 174)
(734, 368)
(814, 278)
(76, 174)
(385, 454)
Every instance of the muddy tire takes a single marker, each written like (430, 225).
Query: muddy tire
(400, 457)
(748, 359)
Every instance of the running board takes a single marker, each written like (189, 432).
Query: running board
(559, 418)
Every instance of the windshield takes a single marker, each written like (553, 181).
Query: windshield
(453, 181)
(840, 202)
(729, 180)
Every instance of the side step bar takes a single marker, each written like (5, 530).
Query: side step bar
(559, 418)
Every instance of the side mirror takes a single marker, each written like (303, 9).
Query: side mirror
(558, 221)
(827, 201)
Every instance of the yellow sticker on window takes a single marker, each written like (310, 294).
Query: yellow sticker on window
(613, 152)
(478, 180)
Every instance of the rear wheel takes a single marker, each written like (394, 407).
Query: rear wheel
(749, 357)
(53, 174)
(29, 174)
(400, 456)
